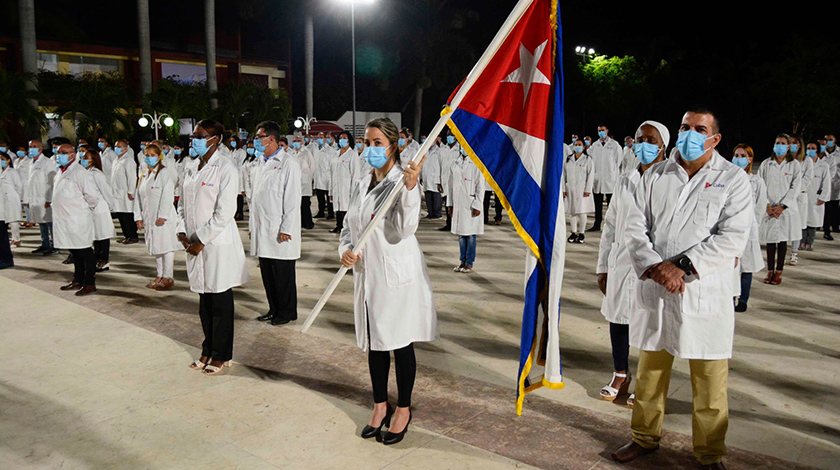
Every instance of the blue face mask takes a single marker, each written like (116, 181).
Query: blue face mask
(741, 161)
(645, 152)
(84, 163)
(343, 143)
(193, 153)
(34, 152)
(62, 159)
(320, 141)
(830, 143)
(250, 151)
(200, 146)
(359, 145)
(587, 142)
(464, 152)
(690, 144)
(376, 156)
(602, 134)
(142, 147)
(780, 150)
(119, 150)
(101, 145)
(233, 144)
(151, 161)
(811, 152)
(822, 148)
(258, 145)
(422, 141)
(401, 142)
(329, 141)
(794, 148)
(177, 151)
(306, 139)
(450, 139)
(4, 149)
(3, 163)
(81, 154)
(296, 145)
(20, 153)
(578, 148)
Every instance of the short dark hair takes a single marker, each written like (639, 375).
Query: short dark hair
(212, 127)
(284, 140)
(272, 129)
(697, 109)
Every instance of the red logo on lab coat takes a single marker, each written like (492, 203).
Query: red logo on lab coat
(203, 183)
(708, 185)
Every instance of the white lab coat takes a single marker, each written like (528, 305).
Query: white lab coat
(323, 158)
(407, 154)
(11, 191)
(74, 200)
(103, 223)
(806, 175)
(752, 260)
(819, 189)
(466, 185)
(629, 161)
(155, 199)
(430, 173)
(782, 180)
(275, 208)
(39, 189)
(107, 157)
(706, 218)
(23, 165)
(607, 159)
(619, 302)
(306, 162)
(578, 178)
(205, 214)
(833, 160)
(360, 167)
(124, 181)
(448, 155)
(239, 155)
(341, 179)
(391, 286)
(246, 171)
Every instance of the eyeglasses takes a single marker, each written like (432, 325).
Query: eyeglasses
(205, 136)
(261, 136)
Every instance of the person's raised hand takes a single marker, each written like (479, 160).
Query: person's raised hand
(412, 173)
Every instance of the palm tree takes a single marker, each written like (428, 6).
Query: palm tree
(29, 49)
(145, 48)
(210, 46)
(17, 115)
(179, 100)
(244, 105)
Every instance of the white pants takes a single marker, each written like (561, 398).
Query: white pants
(578, 220)
(164, 265)
(15, 231)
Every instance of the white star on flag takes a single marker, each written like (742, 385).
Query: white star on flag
(528, 73)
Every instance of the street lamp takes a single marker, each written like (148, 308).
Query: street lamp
(583, 52)
(155, 121)
(305, 123)
(353, 46)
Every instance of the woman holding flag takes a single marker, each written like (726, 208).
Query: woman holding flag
(393, 301)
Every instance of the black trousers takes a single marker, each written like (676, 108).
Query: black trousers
(339, 219)
(406, 368)
(772, 250)
(216, 313)
(127, 224)
(6, 256)
(620, 339)
(84, 264)
(102, 249)
(599, 209)
(831, 217)
(325, 207)
(240, 207)
(487, 196)
(434, 204)
(448, 217)
(278, 277)
(306, 212)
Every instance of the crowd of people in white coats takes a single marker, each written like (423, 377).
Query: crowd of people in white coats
(189, 198)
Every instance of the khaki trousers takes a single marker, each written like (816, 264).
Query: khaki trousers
(710, 417)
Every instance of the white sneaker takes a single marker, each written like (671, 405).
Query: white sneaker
(794, 260)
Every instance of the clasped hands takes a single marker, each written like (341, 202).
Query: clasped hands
(192, 248)
(775, 211)
(668, 275)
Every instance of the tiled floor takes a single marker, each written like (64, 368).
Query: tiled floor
(87, 390)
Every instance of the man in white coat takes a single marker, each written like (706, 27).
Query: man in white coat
(448, 154)
(306, 162)
(107, 156)
(123, 185)
(607, 155)
(275, 225)
(832, 206)
(629, 162)
(689, 223)
(430, 179)
(324, 155)
(74, 201)
(38, 195)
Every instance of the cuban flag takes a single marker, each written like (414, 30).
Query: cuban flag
(508, 116)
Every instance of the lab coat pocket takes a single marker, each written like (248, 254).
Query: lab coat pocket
(700, 293)
(613, 256)
(399, 270)
(708, 209)
(649, 295)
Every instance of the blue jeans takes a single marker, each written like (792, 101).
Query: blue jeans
(467, 249)
(746, 283)
(46, 235)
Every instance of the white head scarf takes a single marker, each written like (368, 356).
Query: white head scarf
(663, 131)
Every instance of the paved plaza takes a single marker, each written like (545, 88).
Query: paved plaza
(102, 381)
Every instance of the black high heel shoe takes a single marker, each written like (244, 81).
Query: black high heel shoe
(370, 431)
(393, 438)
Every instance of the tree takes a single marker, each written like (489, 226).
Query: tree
(210, 48)
(617, 87)
(244, 105)
(180, 101)
(145, 47)
(17, 116)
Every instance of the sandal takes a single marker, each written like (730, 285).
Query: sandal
(198, 365)
(154, 283)
(631, 400)
(458, 268)
(609, 393)
(466, 269)
(210, 369)
(769, 278)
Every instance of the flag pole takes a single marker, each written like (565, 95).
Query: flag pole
(514, 17)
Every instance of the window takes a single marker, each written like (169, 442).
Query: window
(79, 65)
(48, 62)
(185, 73)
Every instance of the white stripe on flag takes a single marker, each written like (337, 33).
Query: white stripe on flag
(531, 151)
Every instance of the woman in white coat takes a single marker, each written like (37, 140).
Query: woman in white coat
(341, 178)
(154, 213)
(123, 186)
(806, 174)
(780, 223)
(577, 180)
(11, 190)
(819, 191)
(750, 262)
(393, 301)
(616, 278)
(215, 256)
(103, 223)
(464, 205)
(73, 203)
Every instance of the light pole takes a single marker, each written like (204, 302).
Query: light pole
(305, 123)
(155, 121)
(584, 54)
(353, 48)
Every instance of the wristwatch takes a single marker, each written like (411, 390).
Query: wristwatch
(685, 264)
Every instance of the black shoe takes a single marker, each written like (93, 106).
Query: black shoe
(370, 431)
(319, 215)
(40, 249)
(594, 228)
(826, 235)
(393, 438)
(741, 307)
(68, 260)
(4, 265)
(581, 237)
(330, 217)
(572, 238)
(309, 227)
(103, 266)
(51, 251)
(445, 228)
(335, 230)
(281, 321)
(267, 317)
